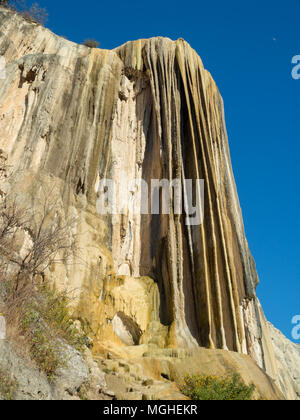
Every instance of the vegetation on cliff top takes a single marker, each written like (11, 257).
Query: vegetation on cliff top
(34, 13)
(37, 14)
(91, 43)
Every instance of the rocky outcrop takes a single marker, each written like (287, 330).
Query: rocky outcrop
(287, 356)
(73, 373)
(30, 383)
(71, 116)
(175, 364)
(76, 373)
(152, 375)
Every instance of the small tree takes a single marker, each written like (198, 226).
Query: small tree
(51, 241)
(91, 43)
(34, 13)
(13, 4)
(34, 310)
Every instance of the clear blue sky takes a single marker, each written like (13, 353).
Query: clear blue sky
(248, 47)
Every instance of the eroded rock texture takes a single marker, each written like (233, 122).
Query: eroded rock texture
(71, 116)
(288, 362)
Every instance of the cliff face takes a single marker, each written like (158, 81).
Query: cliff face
(71, 116)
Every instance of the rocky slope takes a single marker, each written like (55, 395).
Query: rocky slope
(71, 116)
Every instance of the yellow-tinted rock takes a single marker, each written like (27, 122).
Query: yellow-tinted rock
(176, 365)
(71, 116)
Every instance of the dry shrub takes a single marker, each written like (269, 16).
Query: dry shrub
(37, 316)
(38, 319)
(34, 13)
(91, 43)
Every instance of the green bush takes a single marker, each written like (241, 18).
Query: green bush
(231, 388)
(55, 311)
(45, 352)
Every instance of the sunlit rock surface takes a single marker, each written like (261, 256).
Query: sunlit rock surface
(288, 362)
(71, 116)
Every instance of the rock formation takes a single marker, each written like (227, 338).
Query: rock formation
(71, 116)
(287, 356)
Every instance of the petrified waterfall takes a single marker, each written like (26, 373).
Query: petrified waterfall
(71, 116)
(204, 272)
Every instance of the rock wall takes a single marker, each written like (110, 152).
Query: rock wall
(71, 116)
(288, 361)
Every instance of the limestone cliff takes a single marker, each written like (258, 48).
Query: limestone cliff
(71, 116)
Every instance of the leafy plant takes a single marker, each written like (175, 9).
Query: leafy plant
(56, 312)
(45, 352)
(230, 388)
